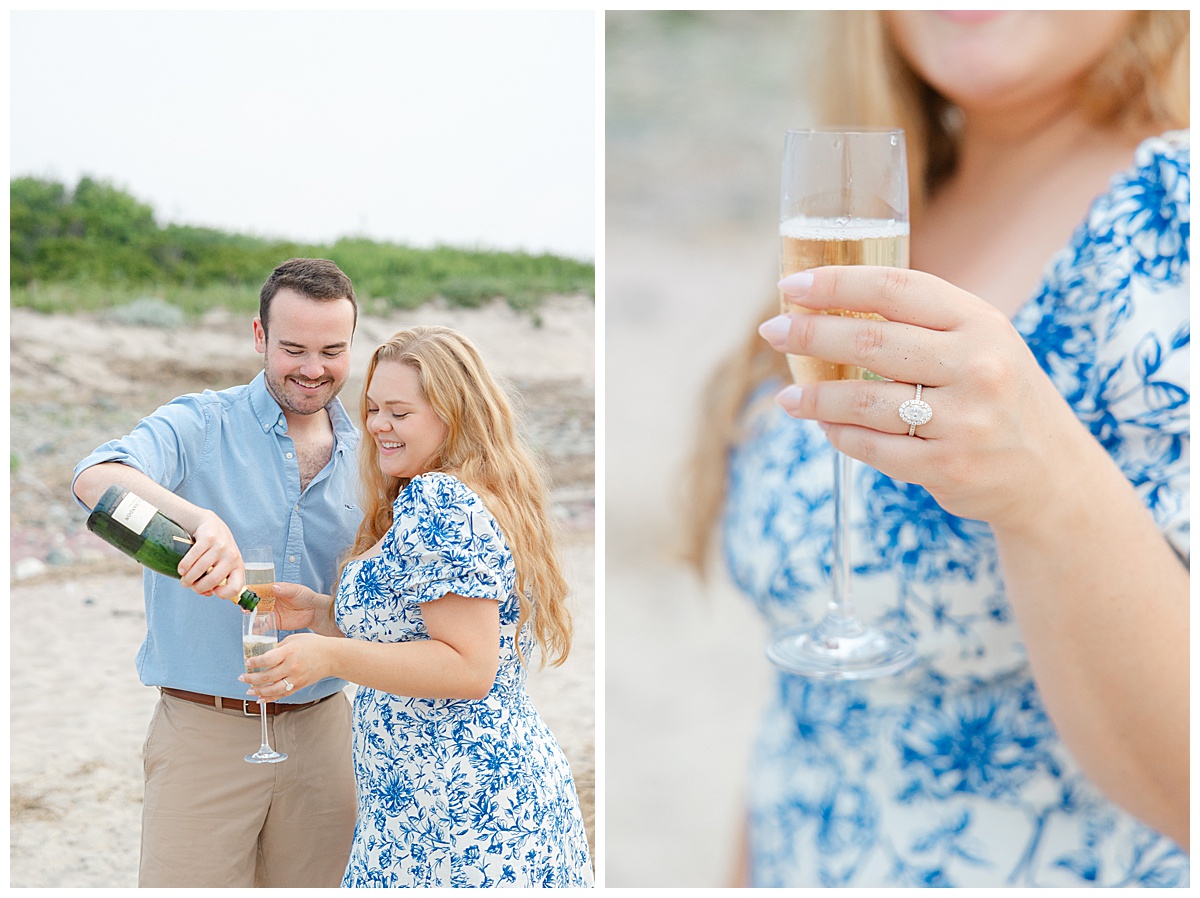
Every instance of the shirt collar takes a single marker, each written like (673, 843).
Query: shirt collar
(345, 434)
(270, 415)
(266, 409)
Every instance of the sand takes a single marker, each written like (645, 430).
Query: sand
(697, 106)
(685, 670)
(78, 713)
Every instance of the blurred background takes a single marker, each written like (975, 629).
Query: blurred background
(697, 104)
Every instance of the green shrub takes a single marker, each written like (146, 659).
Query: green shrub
(96, 247)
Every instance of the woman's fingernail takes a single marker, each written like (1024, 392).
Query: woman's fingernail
(789, 397)
(776, 330)
(797, 284)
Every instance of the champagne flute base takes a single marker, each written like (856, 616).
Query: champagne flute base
(841, 649)
(265, 754)
(266, 757)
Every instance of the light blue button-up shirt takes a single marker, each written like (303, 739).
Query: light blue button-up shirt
(229, 451)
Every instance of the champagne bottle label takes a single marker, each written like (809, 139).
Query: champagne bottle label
(134, 513)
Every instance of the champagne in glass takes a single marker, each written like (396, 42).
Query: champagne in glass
(260, 573)
(844, 202)
(257, 644)
(812, 242)
(260, 634)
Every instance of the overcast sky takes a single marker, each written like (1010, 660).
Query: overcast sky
(460, 128)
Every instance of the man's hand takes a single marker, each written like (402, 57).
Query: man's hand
(213, 566)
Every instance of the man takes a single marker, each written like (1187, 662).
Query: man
(271, 462)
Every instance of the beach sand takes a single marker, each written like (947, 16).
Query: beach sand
(697, 104)
(685, 672)
(78, 713)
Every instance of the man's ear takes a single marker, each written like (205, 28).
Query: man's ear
(260, 337)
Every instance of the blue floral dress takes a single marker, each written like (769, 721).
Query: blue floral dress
(951, 774)
(453, 792)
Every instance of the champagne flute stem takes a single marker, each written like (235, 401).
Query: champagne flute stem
(842, 486)
(262, 708)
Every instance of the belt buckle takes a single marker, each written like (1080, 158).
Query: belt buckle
(247, 703)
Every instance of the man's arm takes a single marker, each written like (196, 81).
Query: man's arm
(213, 560)
(91, 483)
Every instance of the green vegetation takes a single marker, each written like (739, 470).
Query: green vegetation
(96, 247)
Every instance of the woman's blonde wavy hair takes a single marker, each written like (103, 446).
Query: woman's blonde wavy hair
(1141, 86)
(484, 450)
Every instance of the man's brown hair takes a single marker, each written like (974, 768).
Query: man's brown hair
(315, 278)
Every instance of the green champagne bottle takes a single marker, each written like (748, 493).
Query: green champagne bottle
(127, 521)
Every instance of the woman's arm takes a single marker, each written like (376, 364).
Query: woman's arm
(300, 607)
(1100, 596)
(1102, 602)
(459, 660)
(739, 876)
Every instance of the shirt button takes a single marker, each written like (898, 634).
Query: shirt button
(291, 559)
(289, 455)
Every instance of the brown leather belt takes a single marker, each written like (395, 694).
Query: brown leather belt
(249, 706)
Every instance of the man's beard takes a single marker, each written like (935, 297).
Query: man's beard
(311, 402)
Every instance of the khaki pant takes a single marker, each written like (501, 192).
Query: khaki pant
(211, 819)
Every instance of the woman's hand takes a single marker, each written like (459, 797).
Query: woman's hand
(1001, 443)
(298, 607)
(295, 605)
(300, 660)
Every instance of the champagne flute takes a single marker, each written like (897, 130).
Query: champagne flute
(844, 202)
(260, 634)
(259, 564)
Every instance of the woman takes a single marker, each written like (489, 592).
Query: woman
(1033, 535)
(452, 581)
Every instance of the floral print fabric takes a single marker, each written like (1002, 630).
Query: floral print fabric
(951, 773)
(453, 792)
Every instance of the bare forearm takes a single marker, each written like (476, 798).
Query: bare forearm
(425, 668)
(92, 482)
(458, 660)
(322, 621)
(213, 565)
(1102, 601)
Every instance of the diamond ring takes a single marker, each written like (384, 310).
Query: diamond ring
(915, 412)
(288, 687)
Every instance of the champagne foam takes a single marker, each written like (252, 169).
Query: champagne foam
(803, 227)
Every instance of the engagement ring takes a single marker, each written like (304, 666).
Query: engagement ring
(915, 412)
